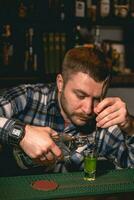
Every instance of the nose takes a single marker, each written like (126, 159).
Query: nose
(87, 106)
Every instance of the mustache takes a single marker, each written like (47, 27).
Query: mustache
(85, 116)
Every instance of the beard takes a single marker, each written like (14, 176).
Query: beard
(77, 118)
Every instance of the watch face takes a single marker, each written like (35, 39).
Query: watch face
(16, 132)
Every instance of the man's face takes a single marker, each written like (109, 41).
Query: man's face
(78, 97)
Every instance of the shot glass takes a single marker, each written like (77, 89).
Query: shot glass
(90, 161)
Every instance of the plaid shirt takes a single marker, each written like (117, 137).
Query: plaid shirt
(37, 105)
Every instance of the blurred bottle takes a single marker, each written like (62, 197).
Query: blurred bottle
(7, 48)
(97, 37)
(26, 9)
(121, 8)
(104, 8)
(30, 63)
(62, 11)
(92, 10)
(62, 46)
(22, 9)
(77, 41)
(80, 8)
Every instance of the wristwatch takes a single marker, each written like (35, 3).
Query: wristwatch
(16, 133)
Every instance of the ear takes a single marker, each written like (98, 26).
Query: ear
(59, 81)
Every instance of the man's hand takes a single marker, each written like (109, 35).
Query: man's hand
(39, 145)
(113, 111)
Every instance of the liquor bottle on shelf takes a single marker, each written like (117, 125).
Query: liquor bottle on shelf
(51, 51)
(121, 8)
(77, 41)
(62, 46)
(26, 9)
(7, 47)
(46, 52)
(97, 37)
(22, 9)
(62, 11)
(80, 8)
(57, 52)
(54, 47)
(104, 9)
(92, 10)
(30, 63)
(82, 36)
(118, 59)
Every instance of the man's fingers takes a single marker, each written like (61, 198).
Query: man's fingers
(55, 150)
(50, 131)
(49, 156)
(105, 103)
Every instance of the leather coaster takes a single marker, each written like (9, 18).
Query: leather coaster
(44, 185)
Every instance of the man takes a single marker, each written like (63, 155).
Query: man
(49, 126)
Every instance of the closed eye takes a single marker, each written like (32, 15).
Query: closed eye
(80, 96)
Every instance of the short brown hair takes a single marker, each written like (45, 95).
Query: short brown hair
(91, 61)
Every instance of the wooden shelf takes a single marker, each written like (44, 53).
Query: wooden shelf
(9, 81)
(117, 81)
(13, 80)
(124, 80)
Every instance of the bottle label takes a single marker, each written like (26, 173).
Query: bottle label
(104, 8)
(80, 9)
(121, 10)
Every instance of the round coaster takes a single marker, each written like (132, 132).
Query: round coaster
(44, 185)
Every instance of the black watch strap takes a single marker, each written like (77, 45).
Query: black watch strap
(16, 133)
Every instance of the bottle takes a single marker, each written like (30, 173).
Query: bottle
(77, 36)
(104, 8)
(22, 9)
(92, 10)
(121, 8)
(62, 11)
(80, 8)
(97, 37)
(62, 46)
(7, 46)
(30, 63)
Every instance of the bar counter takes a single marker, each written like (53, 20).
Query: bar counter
(109, 185)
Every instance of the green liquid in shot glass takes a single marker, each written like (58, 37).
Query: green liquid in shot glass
(89, 168)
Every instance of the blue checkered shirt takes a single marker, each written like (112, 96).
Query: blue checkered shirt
(37, 104)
